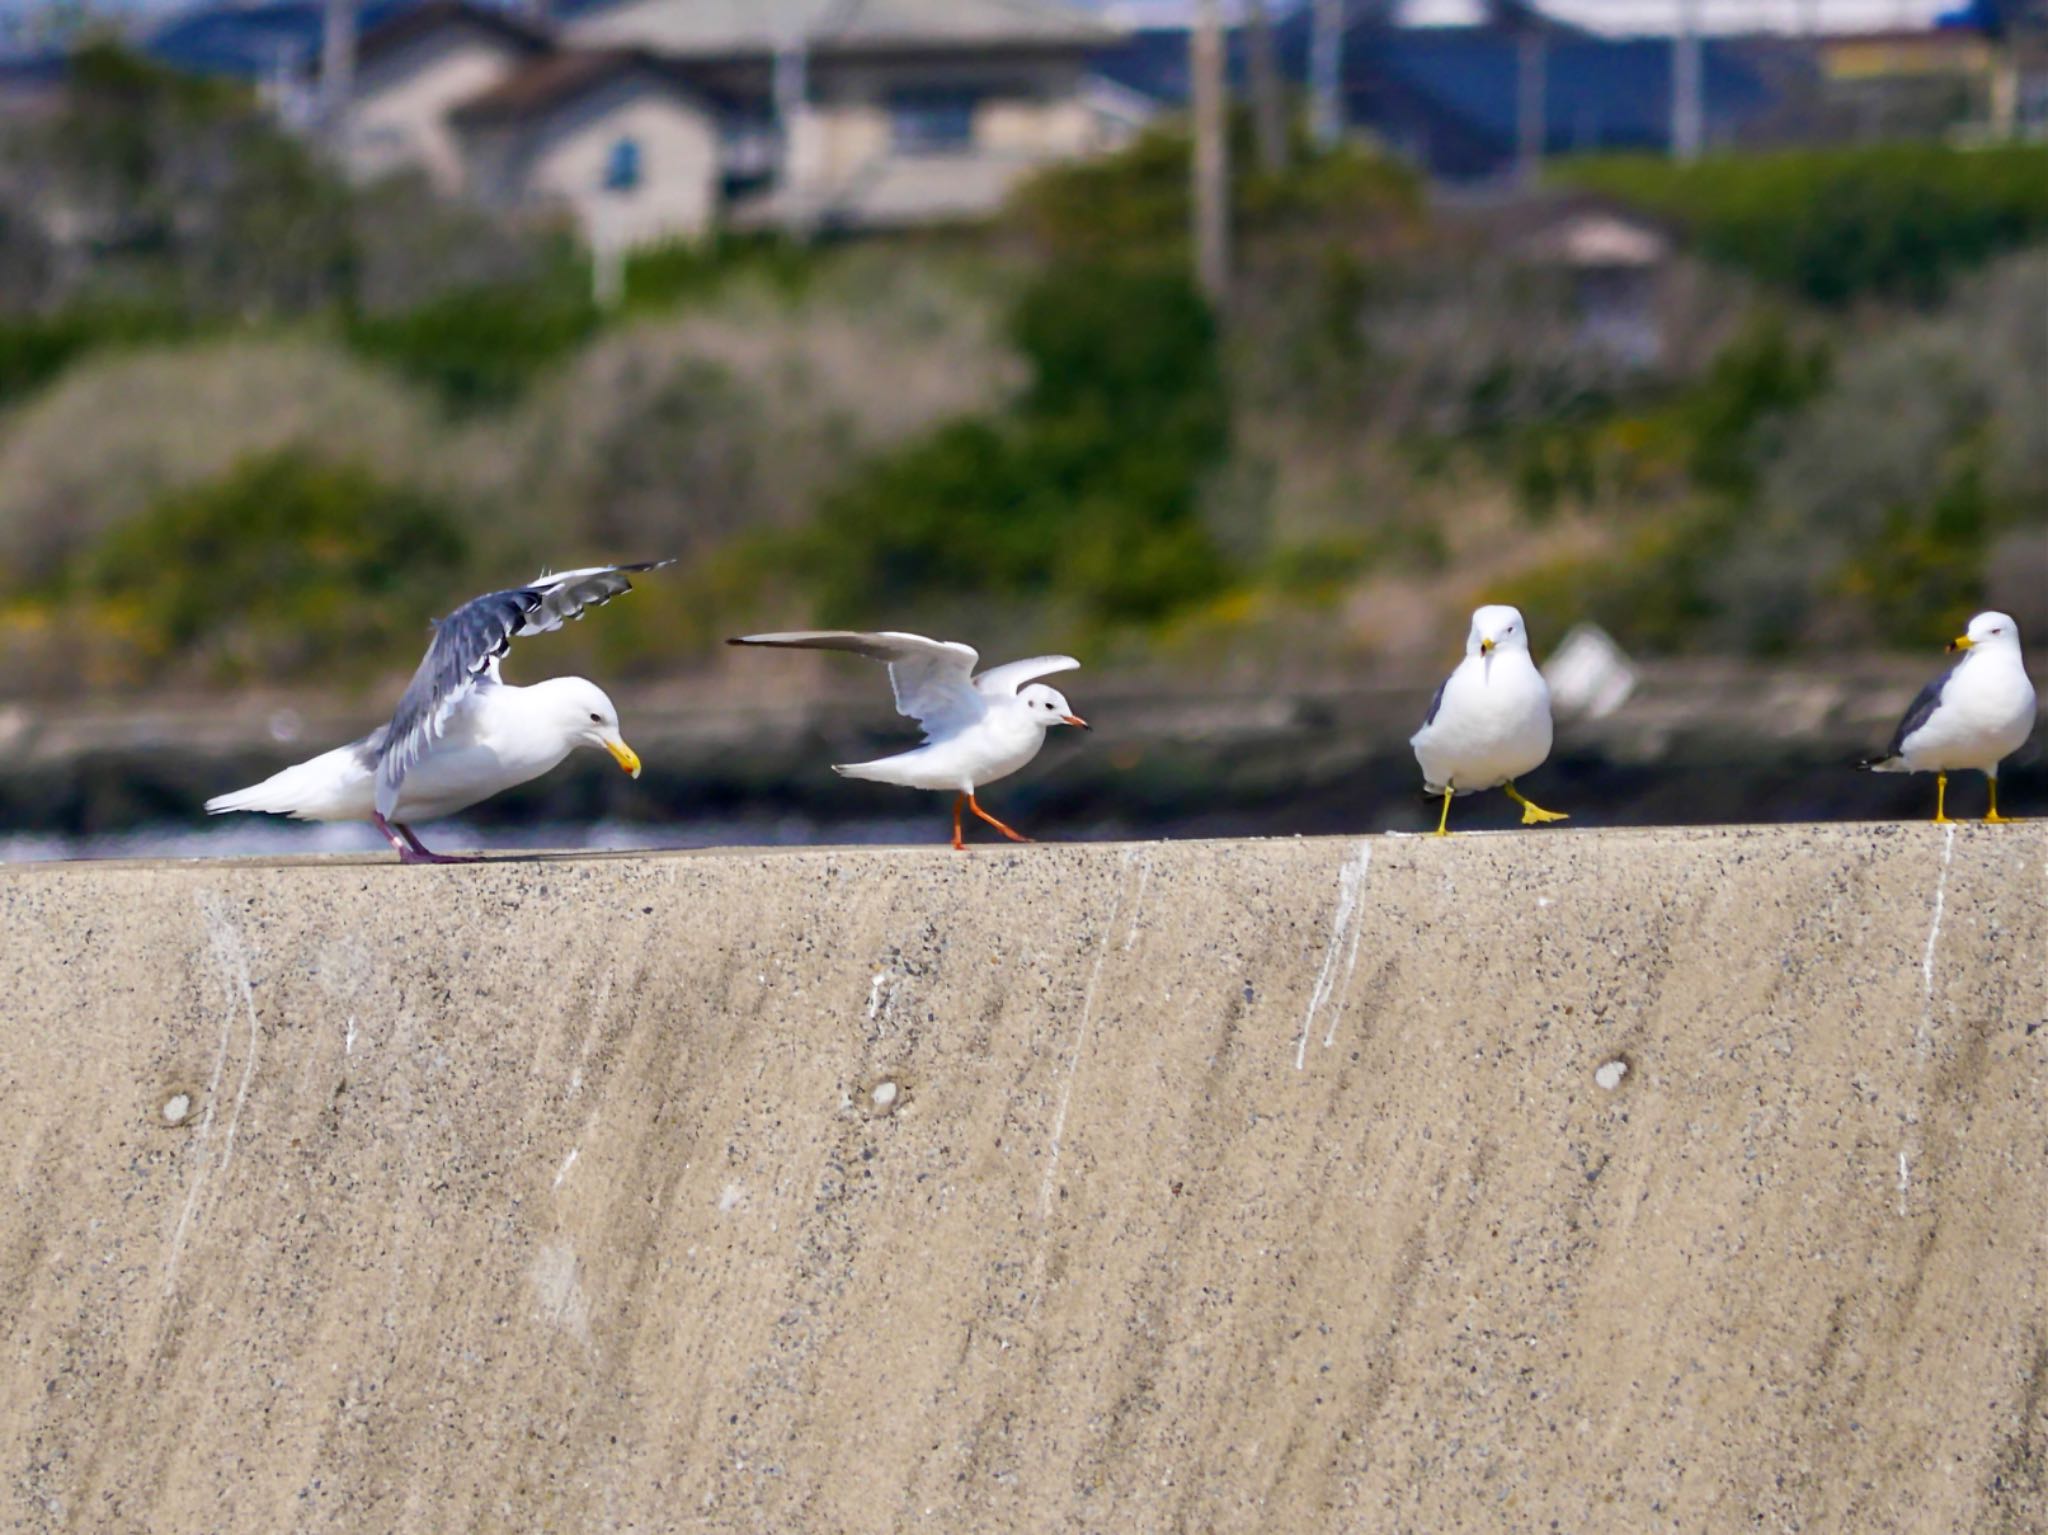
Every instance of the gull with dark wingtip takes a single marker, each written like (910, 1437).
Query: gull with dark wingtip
(1974, 715)
(461, 734)
(1489, 722)
(977, 728)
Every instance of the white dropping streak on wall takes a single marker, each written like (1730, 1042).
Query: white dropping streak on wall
(1138, 901)
(1948, 848)
(1350, 880)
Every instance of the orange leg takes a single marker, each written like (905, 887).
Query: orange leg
(959, 846)
(1014, 836)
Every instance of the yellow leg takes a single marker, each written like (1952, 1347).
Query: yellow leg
(1992, 814)
(1443, 822)
(1532, 813)
(1941, 800)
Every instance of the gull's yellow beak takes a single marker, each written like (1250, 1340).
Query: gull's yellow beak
(1074, 719)
(624, 755)
(1961, 642)
(1486, 647)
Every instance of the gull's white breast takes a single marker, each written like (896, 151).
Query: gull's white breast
(1492, 724)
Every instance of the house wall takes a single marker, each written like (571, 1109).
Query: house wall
(1030, 110)
(402, 102)
(563, 165)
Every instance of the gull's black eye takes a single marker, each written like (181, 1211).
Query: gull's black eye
(595, 720)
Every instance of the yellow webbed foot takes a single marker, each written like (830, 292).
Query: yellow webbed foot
(2002, 820)
(1533, 814)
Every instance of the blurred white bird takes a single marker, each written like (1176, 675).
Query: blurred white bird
(1974, 715)
(460, 734)
(1489, 722)
(977, 728)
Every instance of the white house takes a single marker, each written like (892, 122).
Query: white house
(415, 70)
(618, 140)
(648, 119)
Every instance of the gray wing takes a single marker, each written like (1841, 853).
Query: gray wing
(1436, 702)
(465, 651)
(932, 679)
(1003, 681)
(1918, 713)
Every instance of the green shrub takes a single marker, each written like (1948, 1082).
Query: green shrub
(1133, 206)
(663, 276)
(1762, 376)
(1834, 225)
(480, 347)
(35, 348)
(1086, 493)
(284, 562)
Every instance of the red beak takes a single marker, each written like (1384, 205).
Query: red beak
(1074, 719)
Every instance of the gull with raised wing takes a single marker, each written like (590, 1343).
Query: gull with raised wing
(461, 734)
(977, 728)
(1489, 722)
(1974, 715)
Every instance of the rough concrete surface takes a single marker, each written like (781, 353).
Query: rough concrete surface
(1225, 1186)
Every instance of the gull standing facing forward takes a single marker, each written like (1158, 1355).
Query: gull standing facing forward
(977, 728)
(460, 734)
(1489, 722)
(1974, 715)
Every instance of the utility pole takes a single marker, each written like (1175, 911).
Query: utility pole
(1212, 155)
(790, 85)
(1325, 72)
(1532, 105)
(1688, 123)
(337, 69)
(1269, 101)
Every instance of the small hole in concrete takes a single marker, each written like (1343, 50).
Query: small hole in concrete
(885, 1097)
(177, 1108)
(1609, 1076)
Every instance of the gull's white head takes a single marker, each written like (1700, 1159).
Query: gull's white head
(586, 717)
(1048, 706)
(1496, 627)
(1988, 631)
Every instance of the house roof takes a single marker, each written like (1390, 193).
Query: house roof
(1568, 227)
(404, 27)
(706, 28)
(556, 80)
(251, 40)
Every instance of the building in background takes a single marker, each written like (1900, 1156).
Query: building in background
(1449, 98)
(653, 119)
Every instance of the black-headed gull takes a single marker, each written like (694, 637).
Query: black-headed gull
(1489, 722)
(977, 728)
(461, 734)
(1974, 715)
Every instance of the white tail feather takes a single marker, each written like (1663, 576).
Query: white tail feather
(334, 786)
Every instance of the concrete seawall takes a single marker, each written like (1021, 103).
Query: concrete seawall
(1629, 1180)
